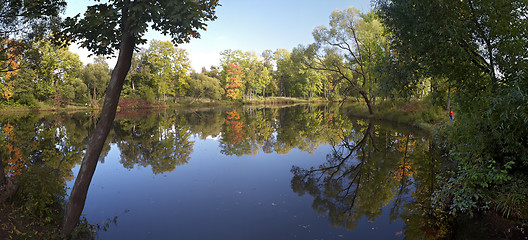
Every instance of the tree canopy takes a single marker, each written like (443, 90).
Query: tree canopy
(477, 46)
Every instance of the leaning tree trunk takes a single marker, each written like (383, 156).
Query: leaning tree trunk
(367, 101)
(77, 198)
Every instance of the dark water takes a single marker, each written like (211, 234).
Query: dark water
(303, 172)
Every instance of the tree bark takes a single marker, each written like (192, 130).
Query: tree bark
(449, 98)
(77, 198)
(367, 101)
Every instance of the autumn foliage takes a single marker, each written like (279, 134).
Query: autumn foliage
(235, 133)
(233, 81)
(9, 65)
(405, 146)
(15, 162)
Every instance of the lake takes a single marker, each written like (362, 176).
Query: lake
(292, 172)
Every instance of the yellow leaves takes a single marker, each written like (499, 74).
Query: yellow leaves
(7, 92)
(15, 164)
(405, 145)
(233, 81)
(8, 130)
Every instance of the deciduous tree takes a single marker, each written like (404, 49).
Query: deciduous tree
(349, 48)
(121, 24)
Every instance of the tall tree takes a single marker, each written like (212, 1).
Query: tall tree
(282, 60)
(479, 46)
(170, 67)
(350, 48)
(96, 76)
(233, 81)
(121, 24)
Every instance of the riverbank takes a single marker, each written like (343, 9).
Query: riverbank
(415, 113)
(140, 103)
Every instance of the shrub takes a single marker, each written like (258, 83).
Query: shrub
(27, 99)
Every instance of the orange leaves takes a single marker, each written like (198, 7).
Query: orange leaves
(8, 130)
(15, 162)
(7, 92)
(235, 132)
(12, 50)
(405, 145)
(233, 81)
(10, 65)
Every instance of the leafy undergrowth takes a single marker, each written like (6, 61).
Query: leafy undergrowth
(17, 223)
(137, 103)
(416, 113)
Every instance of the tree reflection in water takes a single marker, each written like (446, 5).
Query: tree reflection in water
(153, 140)
(369, 168)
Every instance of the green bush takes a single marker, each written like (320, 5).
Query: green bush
(27, 99)
(147, 94)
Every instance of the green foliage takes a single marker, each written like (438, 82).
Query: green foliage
(95, 76)
(104, 23)
(512, 198)
(169, 67)
(21, 24)
(147, 93)
(41, 193)
(350, 48)
(27, 99)
(256, 72)
(201, 85)
(475, 47)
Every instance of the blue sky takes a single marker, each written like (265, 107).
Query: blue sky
(249, 25)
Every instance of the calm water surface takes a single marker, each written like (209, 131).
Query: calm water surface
(303, 172)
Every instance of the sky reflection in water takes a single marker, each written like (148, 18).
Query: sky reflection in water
(215, 195)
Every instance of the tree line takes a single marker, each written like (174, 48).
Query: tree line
(351, 58)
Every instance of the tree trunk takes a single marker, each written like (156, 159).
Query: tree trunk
(367, 101)
(449, 98)
(78, 194)
(423, 89)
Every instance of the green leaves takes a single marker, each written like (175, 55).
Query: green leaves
(102, 25)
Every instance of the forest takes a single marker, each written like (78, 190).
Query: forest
(468, 57)
(40, 72)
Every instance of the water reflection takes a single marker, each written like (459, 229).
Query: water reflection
(153, 140)
(370, 166)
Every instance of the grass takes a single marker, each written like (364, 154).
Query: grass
(415, 113)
